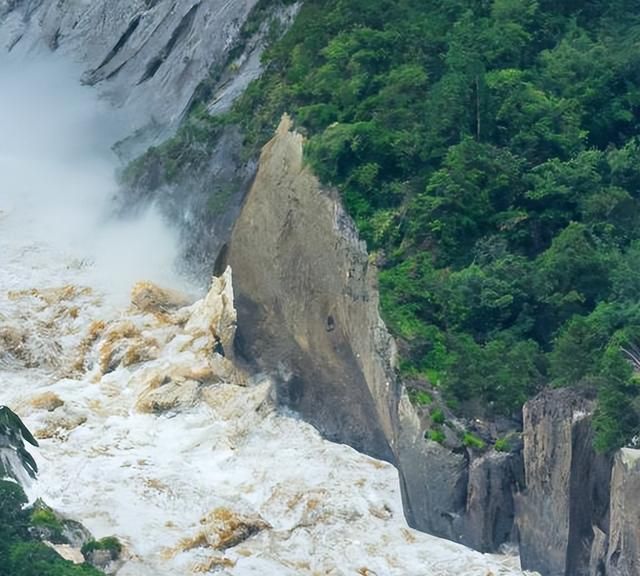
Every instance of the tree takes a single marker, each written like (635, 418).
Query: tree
(13, 434)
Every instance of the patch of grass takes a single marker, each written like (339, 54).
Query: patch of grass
(434, 376)
(420, 397)
(45, 519)
(472, 441)
(437, 416)
(503, 445)
(435, 435)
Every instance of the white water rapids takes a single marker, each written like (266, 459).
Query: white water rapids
(146, 433)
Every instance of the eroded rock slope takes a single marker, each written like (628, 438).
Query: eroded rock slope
(147, 56)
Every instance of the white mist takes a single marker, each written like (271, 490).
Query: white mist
(57, 180)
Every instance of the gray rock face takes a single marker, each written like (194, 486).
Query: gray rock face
(433, 479)
(567, 485)
(490, 511)
(303, 286)
(147, 56)
(203, 204)
(623, 557)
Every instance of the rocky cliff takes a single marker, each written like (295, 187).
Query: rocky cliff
(623, 553)
(578, 515)
(307, 303)
(147, 57)
(567, 485)
(308, 311)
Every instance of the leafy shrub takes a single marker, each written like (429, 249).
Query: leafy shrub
(437, 416)
(20, 554)
(435, 435)
(36, 559)
(472, 441)
(45, 518)
(110, 543)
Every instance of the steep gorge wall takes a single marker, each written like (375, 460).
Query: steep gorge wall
(579, 514)
(623, 550)
(146, 56)
(567, 485)
(150, 59)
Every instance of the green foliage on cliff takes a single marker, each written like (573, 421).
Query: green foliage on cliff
(20, 555)
(110, 543)
(488, 151)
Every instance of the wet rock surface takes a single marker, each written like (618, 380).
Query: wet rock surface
(203, 203)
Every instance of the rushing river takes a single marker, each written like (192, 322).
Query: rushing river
(145, 431)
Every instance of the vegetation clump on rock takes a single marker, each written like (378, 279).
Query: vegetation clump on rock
(22, 528)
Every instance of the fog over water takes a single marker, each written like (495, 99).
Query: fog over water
(57, 177)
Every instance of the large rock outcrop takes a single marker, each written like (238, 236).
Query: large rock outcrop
(623, 556)
(565, 504)
(307, 304)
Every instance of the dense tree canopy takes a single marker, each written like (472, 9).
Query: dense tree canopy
(489, 152)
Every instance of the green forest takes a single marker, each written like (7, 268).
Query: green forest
(488, 151)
